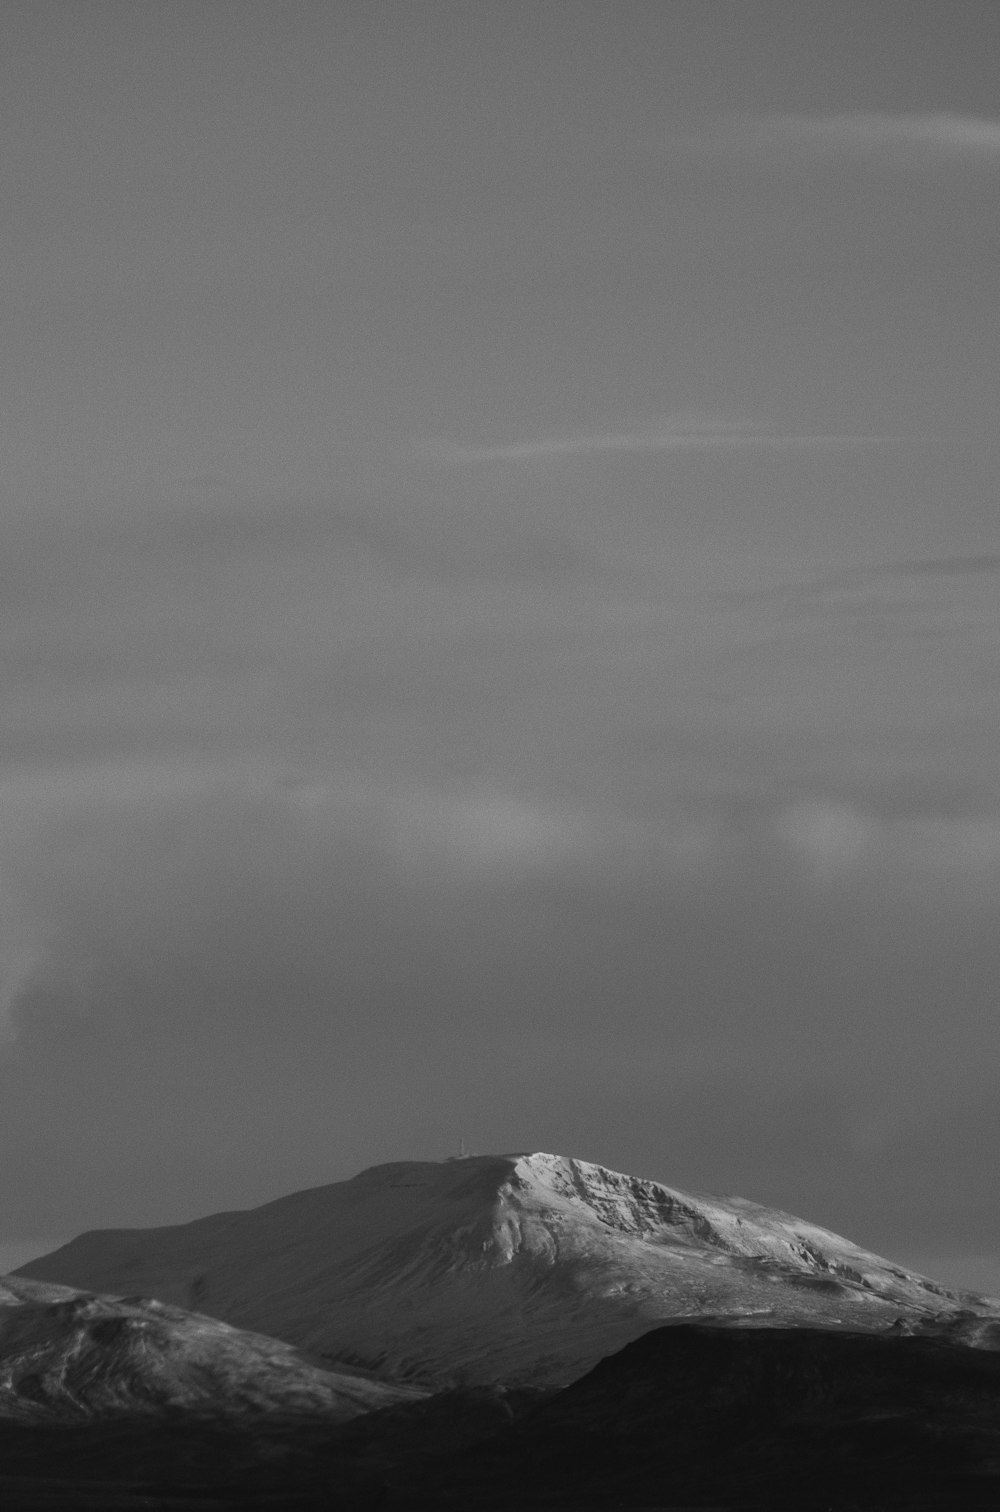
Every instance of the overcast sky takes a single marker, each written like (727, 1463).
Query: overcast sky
(499, 564)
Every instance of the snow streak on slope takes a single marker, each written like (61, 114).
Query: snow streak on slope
(520, 1268)
(68, 1356)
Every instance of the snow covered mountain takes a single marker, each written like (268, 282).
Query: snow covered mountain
(515, 1268)
(69, 1357)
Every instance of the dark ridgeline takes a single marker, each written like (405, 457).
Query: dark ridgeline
(695, 1415)
(774, 1420)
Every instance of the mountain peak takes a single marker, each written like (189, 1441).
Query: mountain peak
(525, 1267)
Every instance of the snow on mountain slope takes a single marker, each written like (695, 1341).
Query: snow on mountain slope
(67, 1356)
(519, 1268)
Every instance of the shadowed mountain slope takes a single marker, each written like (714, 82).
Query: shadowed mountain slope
(519, 1268)
(747, 1419)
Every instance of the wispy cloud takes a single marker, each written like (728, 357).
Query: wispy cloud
(913, 139)
(677, 433)
(837, 839)
(986, 564)
(860, 579)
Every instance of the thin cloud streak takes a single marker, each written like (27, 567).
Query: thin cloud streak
(688, 439)
(981, 564)
(910, 138)
(986, 563)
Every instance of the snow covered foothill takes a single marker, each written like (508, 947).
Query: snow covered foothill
(522, 1268)
(68, 1356)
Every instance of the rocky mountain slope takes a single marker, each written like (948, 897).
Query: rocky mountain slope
(518, 1268)
(70, 1357)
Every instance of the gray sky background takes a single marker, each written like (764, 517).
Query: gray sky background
(499, 567)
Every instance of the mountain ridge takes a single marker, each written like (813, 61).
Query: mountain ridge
(524, 1268)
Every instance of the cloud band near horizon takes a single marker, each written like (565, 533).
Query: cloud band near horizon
(686, 438)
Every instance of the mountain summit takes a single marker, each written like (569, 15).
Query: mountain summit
(523, 1268)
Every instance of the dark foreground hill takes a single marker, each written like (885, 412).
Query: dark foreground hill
(689, 1416)
(768, 1419)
